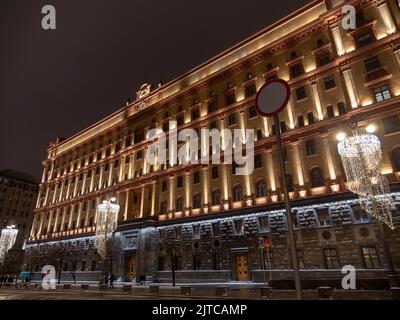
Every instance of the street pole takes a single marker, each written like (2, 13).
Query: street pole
(292, 243)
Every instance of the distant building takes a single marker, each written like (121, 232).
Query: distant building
(18, 195)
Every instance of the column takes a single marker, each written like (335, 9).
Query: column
(127, 205)
(87, 213)
(298, 165)
(188, 187)
(110, 173)
(329, 158)
(290, 114)
(101, 177)
(95, 216)
(39, 197)
(351, 88)
(92, 181)
(271, 171)
(171, 198)
(49, 224)
(142, 202)
(69, 187)
(266, 129)
(121, 169)
(205, 196)
(76, 185)
(317, 100)
(47, 195)
(84, 183)
(44, 174)
(78, 219)
(387, 18)
(56, 220)
(153, 197)
(242, 125)
(337, 37)
(131, 166)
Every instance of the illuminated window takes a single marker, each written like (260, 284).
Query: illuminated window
(382, 93)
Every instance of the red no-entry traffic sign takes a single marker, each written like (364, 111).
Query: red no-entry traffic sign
(272, 97)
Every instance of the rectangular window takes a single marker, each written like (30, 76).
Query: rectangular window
(250, 90)
(179, 120)
(196, 231)
(372, 64)
(179, 182)
(329, 112)
(196, 177)
(364, 39)
(164, 186)
(214, 173)
(212, 107)
(331, 259)
(359, 214)
(329, 82)
(216, 229)
(296, 70)
(258, 161)
(370, 258)
(231, 119)
(382, 93)
(310, 117)
(259, 134)
(301, 93)
(195, 114)
(139, 155)
(391, 124)
(323, 59)
(323, 217)
(311, 147)
(263, 226)
(252, 112)
(230, 99)
(238, 226)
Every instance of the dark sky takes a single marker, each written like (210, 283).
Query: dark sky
(55, 83)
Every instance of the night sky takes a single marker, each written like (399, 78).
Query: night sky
(53, 83)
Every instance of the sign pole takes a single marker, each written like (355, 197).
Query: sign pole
(292, 244)
(269, 265)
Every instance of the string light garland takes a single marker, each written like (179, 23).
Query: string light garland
(106, 223)
(7, 241)
(362, 160)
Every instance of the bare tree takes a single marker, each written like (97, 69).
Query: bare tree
(174, 249)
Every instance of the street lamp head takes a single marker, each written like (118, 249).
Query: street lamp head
(370, 128)
(340, 136)
(104, 201)
(113, 199)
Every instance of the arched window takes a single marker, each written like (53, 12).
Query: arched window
(317, 178)
(179, 205)
(216, 197)
(197, 201)
(237, 193)
(163, 207)
(261, 189)
(396, 159)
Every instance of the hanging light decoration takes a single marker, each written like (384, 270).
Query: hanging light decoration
(362, 160)
(7, 241)
(106, 223)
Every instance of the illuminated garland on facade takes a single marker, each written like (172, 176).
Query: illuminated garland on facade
(7, 241)
(362, 161)
(107, 220)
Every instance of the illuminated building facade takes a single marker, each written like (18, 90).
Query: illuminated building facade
(215, 216)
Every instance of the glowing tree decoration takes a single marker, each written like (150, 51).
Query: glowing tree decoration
(106, 223)
(7, 241)
(362, 161)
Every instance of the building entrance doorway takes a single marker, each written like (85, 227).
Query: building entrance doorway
(242, 268)
(130, 267)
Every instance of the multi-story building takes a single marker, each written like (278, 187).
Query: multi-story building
(18, 196)
(215, 216)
